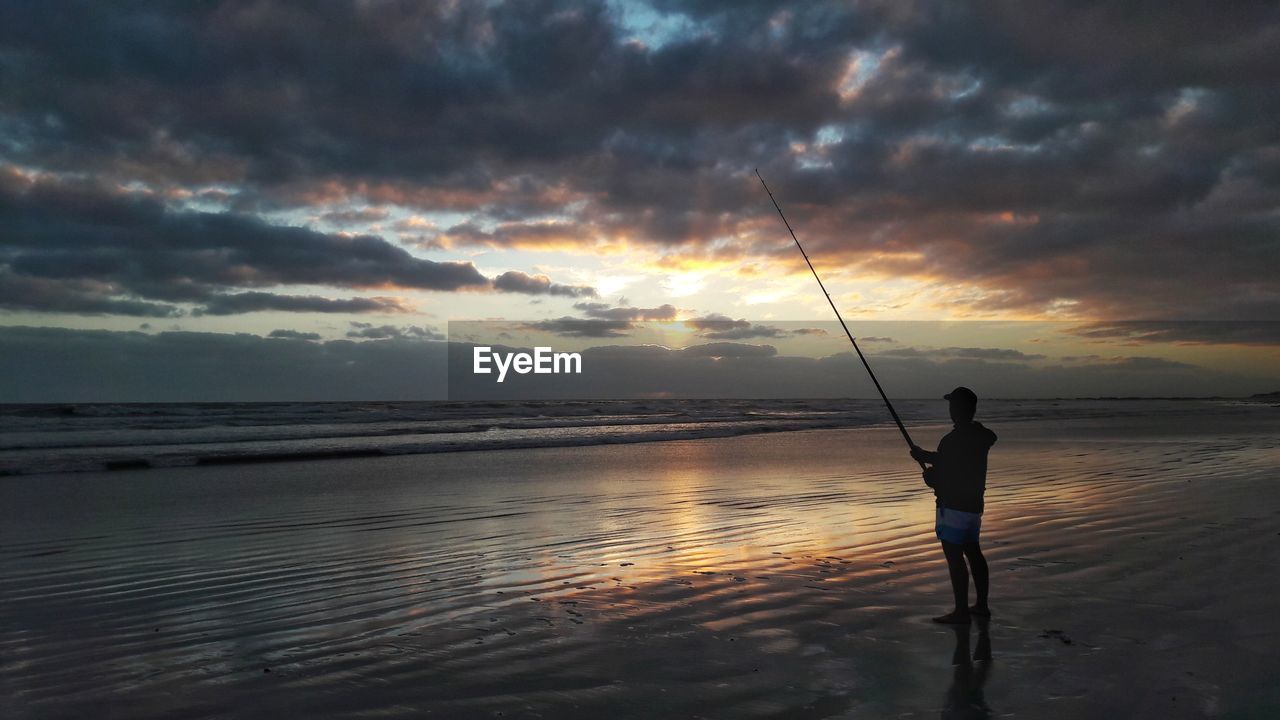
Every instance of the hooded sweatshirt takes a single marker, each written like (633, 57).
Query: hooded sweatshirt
(959, 475)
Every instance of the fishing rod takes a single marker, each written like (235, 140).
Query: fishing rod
(902, 428)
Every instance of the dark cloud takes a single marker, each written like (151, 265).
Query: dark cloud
(960, 352)
(81, 247)
(602, 320)
(398, 90)
(582, 327)
(747, 333)
(604, 312)
(382, 332)
(1142, 364)
(1085, 159)
(247, 302)
(73, 295)
(716, 321)
(84, 231)
(293, 335)
(1189, 332)
(720, 327)
(538, 235)
(517, 282)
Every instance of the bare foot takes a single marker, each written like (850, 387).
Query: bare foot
(955, 617)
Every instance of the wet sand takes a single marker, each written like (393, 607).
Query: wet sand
(779, 576)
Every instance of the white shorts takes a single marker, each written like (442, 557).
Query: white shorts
(958, 526)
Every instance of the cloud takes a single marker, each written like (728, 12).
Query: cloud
(293, 335)
(1140, 364)
(526, 235)
(730, 350)
(1062, 159)
(603, 321)
(744, 333)
(604, 312)
(961, 352)
(716, 321)
(74, 296)
(1225, 332)
(81, 247)
(582, 327)
(721, 327)
(73, 234)
(518, 282)
(246, 302)
(86, 231)
(382, 332)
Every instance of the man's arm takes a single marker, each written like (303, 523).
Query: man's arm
(919, 454)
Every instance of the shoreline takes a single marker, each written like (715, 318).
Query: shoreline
(241, 441)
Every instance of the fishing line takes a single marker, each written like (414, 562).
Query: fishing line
(902, 428)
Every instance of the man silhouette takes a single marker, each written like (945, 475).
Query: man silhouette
(958, 476)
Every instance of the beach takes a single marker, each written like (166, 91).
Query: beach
(619, 359)
(766, 575)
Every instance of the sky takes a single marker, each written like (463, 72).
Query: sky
(288, 200)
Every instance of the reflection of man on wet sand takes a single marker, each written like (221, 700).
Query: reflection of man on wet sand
(958, 477)
(965, 698)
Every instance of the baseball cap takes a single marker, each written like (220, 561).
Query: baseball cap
(962, 394)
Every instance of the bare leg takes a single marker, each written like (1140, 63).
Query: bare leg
(978, 566)
(959, 576)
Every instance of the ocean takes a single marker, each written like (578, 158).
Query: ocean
(115, 436)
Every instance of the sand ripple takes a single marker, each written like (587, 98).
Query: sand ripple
(787, 575)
